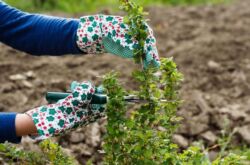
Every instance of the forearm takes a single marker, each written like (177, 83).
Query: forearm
(24, 125)
(7, 128)
(37, 34)
(13, 126)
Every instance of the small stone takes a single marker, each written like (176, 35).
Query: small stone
(238, 92)
(2, 161)
(101, 151)
(221, 121)
(30, 74)
(180, 140)
(234, 111)
(27, 84)
(28, 143)
(58, 83)
(161, 129)
(213, 155)
(198, 124)
(244, 132)
(76, 137)
(93, 73)
(214, 66)
(197, 128)
(38, 82)
(183, 128)
(103, 123)
(209, 136)
(7, 87)
(17, 77)
(93, 135)
(158, 74)
(20, 98)
(217, 100)
(2, 107)
(201, 102)
(82, 149)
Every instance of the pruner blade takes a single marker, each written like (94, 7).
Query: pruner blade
(136, 99)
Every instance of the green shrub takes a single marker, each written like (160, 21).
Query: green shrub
(51, 153)
(145, 135)
(11, 154)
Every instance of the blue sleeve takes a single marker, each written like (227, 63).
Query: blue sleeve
(8, 128)
(37, 34)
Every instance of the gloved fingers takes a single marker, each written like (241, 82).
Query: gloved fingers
(73, 85)
(82, 92)
(93, 113)
(150, 50)
(152, 63)
(151, 58)
(99, 90)
(116, 37)
(98, 109)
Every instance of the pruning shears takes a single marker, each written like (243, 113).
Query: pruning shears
(53, 97)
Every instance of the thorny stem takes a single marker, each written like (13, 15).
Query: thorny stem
(135, 19)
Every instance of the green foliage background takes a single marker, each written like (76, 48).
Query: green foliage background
(78, 6)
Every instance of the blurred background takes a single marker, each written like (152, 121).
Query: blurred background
(76, 6)
(208, 39)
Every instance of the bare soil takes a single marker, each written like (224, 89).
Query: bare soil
(210, 44)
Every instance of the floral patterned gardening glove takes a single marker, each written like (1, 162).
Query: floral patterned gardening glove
(67, 114)
(102, 33)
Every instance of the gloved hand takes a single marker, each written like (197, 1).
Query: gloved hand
(67, 114)
(101, 33)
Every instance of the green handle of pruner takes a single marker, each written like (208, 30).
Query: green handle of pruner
(53, 97)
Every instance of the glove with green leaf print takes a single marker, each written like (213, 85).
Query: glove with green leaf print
(67, 114)
(102, 33)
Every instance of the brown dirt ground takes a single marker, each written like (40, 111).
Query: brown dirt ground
(210, 44)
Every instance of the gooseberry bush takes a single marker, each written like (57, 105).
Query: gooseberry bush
(51, 153)
(144, 136)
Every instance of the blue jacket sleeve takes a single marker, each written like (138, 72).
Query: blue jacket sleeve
(8, 128)
(37, 34)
